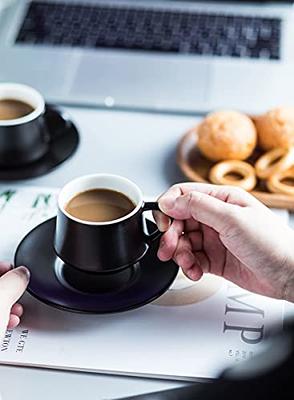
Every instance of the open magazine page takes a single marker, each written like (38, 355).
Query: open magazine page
(193, 331)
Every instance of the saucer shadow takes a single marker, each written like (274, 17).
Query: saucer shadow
(40, 317)
(44, 318)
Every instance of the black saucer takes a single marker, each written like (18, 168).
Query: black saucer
(133, 288)
(64, 141)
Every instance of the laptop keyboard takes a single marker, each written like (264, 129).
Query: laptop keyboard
(145, 29)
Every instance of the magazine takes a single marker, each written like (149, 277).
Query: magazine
(193, 331)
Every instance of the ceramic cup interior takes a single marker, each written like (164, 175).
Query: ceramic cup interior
(26, 94)
(100, 181)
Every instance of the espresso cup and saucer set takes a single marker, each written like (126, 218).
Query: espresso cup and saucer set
(99, 254)
(34, 137)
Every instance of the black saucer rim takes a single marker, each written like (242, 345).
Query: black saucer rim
(20, 173)
(90, 312)
(117, 311)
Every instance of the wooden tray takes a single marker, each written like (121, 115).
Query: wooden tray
(195, 167)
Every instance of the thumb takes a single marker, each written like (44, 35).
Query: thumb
(12, 286)
(202, 207)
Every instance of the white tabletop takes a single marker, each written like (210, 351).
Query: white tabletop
(138, 146)
(141, 147)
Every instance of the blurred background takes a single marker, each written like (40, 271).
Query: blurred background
(165, 55)
(154, 57)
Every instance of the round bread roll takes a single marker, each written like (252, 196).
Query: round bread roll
(226, 135)
(276, 128)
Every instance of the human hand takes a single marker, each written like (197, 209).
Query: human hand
(225, 231)
(13, 283)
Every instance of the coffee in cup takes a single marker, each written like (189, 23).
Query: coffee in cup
(13, 109)
(24, 136)
(99, 205)
(101, 226)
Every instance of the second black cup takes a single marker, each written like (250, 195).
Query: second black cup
(108, 246)
(24, 137)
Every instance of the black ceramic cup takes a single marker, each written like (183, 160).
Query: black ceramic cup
(24, 139)
(103, 247)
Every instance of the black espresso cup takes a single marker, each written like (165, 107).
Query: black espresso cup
(24, 138)
(103, 247)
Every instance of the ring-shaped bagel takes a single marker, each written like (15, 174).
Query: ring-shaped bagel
(218, 174)
(275, 184)
(266, 165)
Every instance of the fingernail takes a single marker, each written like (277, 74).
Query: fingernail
(23, 272)
(167, 203)
(191, 275)
(164, 225)
(161, 244)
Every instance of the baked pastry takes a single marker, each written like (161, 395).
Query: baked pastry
(226, 135)
(276, 128)
(281, 182)
(274, 161)
(220, 174)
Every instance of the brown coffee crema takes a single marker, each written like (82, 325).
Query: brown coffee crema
(13, 109)
(99, 205)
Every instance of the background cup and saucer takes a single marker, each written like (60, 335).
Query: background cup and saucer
(35, 142)
(97, 267)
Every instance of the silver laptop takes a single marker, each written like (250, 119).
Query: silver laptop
(167, 55)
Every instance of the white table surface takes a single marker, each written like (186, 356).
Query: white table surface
(138, 146)
(141, 147)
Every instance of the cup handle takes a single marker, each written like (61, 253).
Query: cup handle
(56, 120)
(152, 206)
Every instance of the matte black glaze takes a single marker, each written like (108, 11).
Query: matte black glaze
(90, 282)
(64, 139)
(103, 248)
(149, 279)
(24, 143)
